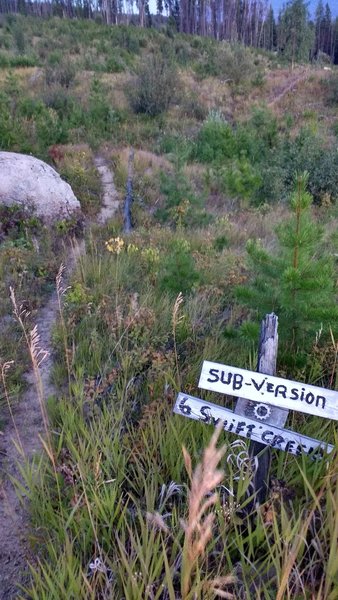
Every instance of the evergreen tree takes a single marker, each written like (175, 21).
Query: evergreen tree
(295, 34)
(327, 42)
(298, 281)
(335, 42)
(319, 27)
(270, 31)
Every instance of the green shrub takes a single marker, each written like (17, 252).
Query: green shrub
(19, 38)
(221, 242)
(241, 179)
(55, 58)
(154, 87)
(128, 38)
(182, 206)
(114, 64)
(175, 144)
(183, 52)
(101, 117)
(4, 60)
(22, 61)
(297, 281)
(215, 141)
(5, 41)
(177, 272)
(323, 180)
(63, 74)
(31, 107)
(331, 86)
(231, 62)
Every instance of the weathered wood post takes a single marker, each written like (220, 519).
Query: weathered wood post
(264, 401)
(264, 413)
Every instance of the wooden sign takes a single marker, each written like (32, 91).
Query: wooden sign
(270, 435)
(263, 402)
(269, 390)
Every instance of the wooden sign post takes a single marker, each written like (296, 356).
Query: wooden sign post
(264, 401)
(267, 360)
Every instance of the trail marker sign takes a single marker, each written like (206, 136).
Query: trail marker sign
(270, 390)
(264, 401)
(276, 437)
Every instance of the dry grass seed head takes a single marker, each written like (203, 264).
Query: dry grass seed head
(205, 478)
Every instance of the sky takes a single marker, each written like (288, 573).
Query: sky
(333, 4)
(277, 4)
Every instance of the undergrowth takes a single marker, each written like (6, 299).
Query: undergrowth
(116, 505)
(118, 509)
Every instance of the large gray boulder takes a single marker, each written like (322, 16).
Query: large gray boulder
(30, 182)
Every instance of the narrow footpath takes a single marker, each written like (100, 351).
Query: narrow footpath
(20, 441)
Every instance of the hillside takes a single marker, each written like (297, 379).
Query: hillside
(232, 159)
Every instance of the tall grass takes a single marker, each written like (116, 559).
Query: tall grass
(120, 511)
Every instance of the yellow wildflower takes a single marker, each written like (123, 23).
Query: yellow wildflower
(115, 245)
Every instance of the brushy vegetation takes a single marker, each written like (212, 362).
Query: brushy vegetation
(113, 490)
(118, 509)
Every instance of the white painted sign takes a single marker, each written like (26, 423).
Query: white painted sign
(269, 389)
(270, 435)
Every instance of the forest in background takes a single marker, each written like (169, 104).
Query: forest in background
(292, 33)
(234, 214)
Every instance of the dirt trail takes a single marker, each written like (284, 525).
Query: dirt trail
(290, 86)
(15, 549)
(110, 197)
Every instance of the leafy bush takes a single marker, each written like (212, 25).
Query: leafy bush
(63, 74)
(241, 179)
(182, 206)
(5, 41)
(78, 170)
(114, 64)
(19, 38)
(323, 180)
(215, 141)
(305, 152)
(127, 37)
(331, 86)
(231, 62)
(177, 271)
(101, 117)
(176, 145)
(183, 52)
(155, 86)
(4, 60)
(221, 242)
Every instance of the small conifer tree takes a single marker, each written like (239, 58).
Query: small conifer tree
(297, 281)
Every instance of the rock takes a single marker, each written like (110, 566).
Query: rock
(31, 183)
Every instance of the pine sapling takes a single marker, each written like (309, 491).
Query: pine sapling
(297, 281)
